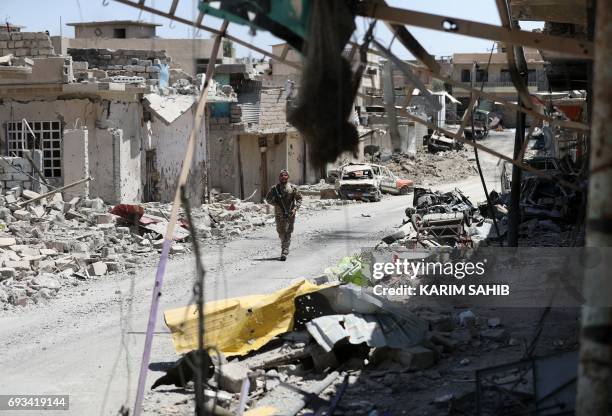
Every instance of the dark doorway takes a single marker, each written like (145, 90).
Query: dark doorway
(151, 191)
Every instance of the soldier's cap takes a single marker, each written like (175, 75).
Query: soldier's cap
(283, 171)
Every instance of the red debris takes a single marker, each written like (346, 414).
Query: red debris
(128, 211)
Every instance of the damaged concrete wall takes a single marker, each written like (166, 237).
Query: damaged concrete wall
(119, 62)
(123, 121)
(75, 161)
(273, 109)
(115, 145)
(68, 112)
(301, 169)
(55, 69)
(170, 143)
(184, 52)
(276, 156)
(102, 165)
(251, 167)
(223, 168)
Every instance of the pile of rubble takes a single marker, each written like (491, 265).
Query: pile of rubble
(428, 169)
(549, 211)
(336, 351)
(47, 242)
(118, 65)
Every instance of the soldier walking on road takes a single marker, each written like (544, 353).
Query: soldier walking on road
(286, 199)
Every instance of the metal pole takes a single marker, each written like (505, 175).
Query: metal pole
(594, 372)
(163, 259)
(514, 215)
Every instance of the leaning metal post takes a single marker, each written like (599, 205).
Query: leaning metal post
(594, 372)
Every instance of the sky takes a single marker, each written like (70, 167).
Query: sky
(52, 15)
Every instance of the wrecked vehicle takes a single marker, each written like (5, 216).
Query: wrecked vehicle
(426, 201)
(388, 182)
(438, 142)
(441, 216)
(358, 181)
(439, 219)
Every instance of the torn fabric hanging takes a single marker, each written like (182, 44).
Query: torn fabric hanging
(327, 89)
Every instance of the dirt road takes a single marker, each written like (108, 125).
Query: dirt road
(88, 342)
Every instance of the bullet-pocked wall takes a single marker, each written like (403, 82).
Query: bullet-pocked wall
(114, 141)
(169, 143)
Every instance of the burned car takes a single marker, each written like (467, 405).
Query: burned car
(438, 142)
(358, 181)
(442, 217)
(389, 183)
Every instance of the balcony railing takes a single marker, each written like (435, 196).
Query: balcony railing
(495, 84)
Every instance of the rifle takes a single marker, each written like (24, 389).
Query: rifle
(282, 203)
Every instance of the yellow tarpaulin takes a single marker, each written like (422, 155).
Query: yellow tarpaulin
(237, 326)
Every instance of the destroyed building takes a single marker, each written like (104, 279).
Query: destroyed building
(103, 120)
(191, 55)
(110, 118)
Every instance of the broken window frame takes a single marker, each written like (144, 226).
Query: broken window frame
(48, 136)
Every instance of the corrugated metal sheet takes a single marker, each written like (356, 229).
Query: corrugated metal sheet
(250, 112)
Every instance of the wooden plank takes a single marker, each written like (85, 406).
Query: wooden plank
(173, 7)
(578, 48)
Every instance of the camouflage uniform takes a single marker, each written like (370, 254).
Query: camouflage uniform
(290, 197)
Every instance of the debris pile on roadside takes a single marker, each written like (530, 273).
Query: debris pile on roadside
(439, 219)
(338, 343)
(321, 189)
(432, 168)
(48, 242)
(549, 212)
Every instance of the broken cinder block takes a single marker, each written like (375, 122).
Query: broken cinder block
(22, 215)
(27, 194)
(232, 376)
(7, 242)
(415, 358)
(98, 268)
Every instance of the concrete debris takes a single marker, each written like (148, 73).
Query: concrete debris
(415, 358)
(83, 238)
(548, 210)
(427, 169)
(232, 376)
